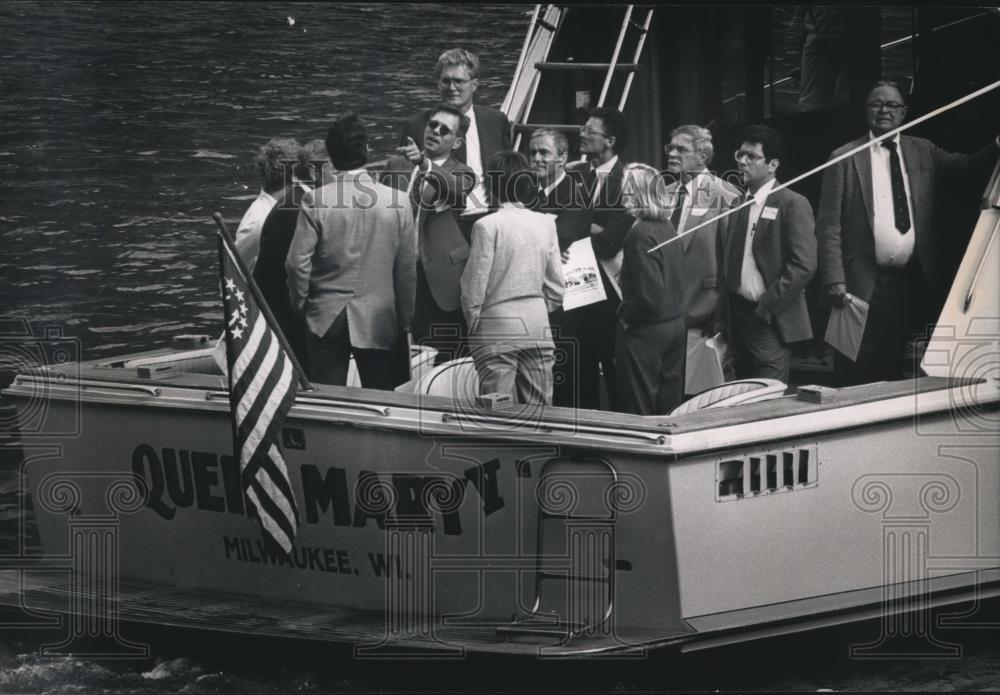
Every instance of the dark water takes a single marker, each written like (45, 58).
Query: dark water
(123, 126)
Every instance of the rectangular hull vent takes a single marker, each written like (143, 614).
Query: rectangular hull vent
(766, 473)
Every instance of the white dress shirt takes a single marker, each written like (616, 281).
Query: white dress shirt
(892, 249)
(475, 202)
(547, 190)
(692, 189)
(601, 173)
(248, 233)
(751, 281)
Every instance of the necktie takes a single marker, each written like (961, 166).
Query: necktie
(675, 216)
(901, 211)
(734, 268)
(589, 178)
(416, 181)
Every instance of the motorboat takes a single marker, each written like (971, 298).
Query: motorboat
(433, 522)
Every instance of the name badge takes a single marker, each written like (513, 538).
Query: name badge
(769, 213)
(698, 212)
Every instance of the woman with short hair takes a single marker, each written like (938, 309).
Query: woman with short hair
(512, 280)
(650, 338)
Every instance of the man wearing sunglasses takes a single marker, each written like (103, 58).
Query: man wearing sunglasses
(876, 236)
(437, 185)
(767, 251)
(457, 76)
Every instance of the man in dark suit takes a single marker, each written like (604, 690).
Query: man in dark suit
(876, 236)
(768, 252)
(457, 74)
(437, 185)
(561, 194)
(352, 266)
(312, 170)
(602, 139)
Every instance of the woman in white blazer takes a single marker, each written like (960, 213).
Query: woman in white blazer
(512, 280)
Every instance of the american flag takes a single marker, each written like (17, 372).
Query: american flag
(262, 387)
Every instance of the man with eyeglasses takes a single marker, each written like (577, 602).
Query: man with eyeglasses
(876, 238)
(560, 193)
(457, 75)
(768, 255)
(602, 139)
(437, 185)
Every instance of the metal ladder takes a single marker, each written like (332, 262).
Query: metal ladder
(586, 570)
(538, 43)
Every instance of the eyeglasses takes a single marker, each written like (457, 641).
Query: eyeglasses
(587, 130)
(891, 106)
(744, 154)
(439, 127)
(453, 82)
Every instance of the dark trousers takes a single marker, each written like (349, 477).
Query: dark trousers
(329, 358)
(896, 309)
(594, 326)
(566, 370)
(650, 366)
(433, 326)
(758, 350)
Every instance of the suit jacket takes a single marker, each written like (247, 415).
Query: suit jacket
(700, 268)
(269, 272)
(785, 251)
(569, 204)
(442, 247)
(651, 282)
(607, 207)
(513, 280)
(846, 209)
(492, 126)
(354, 249)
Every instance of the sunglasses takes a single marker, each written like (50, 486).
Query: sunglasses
(440, 128)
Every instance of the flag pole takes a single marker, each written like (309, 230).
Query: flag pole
(261, 303)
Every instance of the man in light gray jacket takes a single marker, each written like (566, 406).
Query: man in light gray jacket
(352, 266)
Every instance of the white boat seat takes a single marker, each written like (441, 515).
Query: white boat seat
(733, 393)
(456, 379)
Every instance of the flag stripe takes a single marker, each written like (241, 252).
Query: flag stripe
(276, 475)
(248, 352)
(273, 529)
(270, 509)
(265, 414)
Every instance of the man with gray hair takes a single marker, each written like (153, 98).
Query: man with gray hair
(699, 197)
(274, 163)
(560, 193)
(457, 74)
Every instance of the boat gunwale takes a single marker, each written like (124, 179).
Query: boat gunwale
(691, 434)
